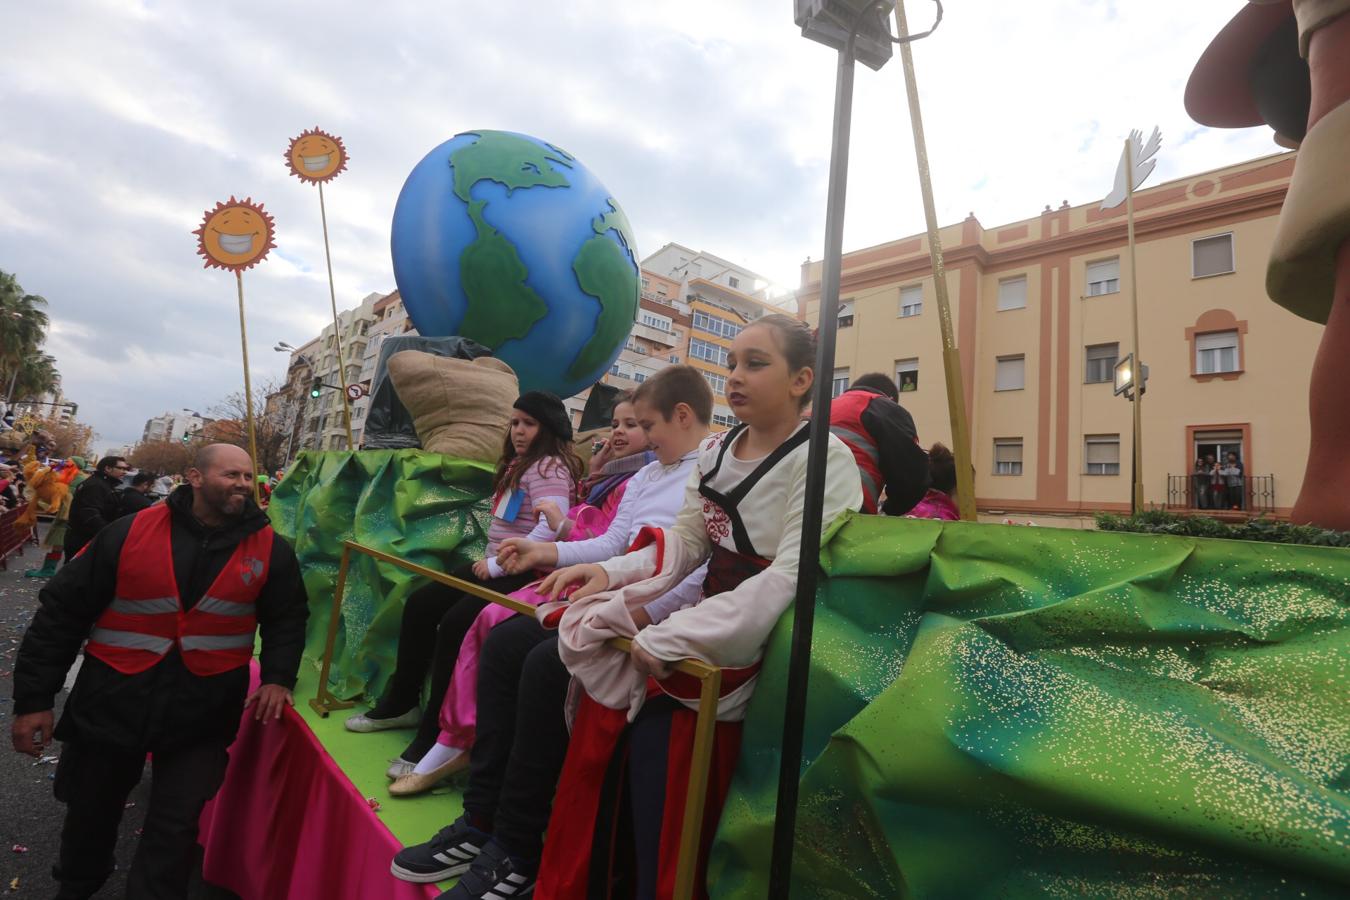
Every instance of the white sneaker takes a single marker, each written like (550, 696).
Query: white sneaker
(398, 768)
(364, 724)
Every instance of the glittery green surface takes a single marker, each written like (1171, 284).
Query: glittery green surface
(1002, 711)
(424, 507)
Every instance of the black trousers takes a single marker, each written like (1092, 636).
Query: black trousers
(94, 781)
(521, 739)
(435, 620)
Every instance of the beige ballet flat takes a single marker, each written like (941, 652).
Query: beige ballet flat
(412, 784)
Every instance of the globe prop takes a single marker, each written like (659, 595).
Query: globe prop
(512, 242)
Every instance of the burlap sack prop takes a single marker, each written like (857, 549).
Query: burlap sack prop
(459, 407)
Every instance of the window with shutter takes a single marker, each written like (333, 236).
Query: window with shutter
(907, 375)
(1212, 256)
(1101, 454)
(840, 382)
(1103, 277)
(1010, 373)
(1100, 362)
(1012, 293)
(1217, 351)
(911, 300)
(1007, 456)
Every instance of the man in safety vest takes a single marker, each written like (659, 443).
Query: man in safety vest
(169, 600)
(870, 420)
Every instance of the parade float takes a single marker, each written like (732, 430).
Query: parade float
(992, 710)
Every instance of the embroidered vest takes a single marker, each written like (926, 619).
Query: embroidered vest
(146, 618)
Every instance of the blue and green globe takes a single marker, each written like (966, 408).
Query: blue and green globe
(512, 242)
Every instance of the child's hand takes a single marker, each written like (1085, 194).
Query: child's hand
(592, 578)
(648, 665)
(519, 555)
(480, 570)
(601, 457)
(551, 513)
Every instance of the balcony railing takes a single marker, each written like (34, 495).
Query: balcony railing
(1254, 495)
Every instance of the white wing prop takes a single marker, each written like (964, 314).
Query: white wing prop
(1143, 166)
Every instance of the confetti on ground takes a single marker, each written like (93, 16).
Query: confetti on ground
(20, 848)
(373, 803)
(129, 804)
(46, 760)
(14, 885)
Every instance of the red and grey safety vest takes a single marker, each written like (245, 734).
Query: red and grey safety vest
(846, 424)
(146, 618)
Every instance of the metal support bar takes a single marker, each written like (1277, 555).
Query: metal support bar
(705, 727)
(804, 604)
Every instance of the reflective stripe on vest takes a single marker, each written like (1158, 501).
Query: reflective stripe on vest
(864, 453)
(146, 620)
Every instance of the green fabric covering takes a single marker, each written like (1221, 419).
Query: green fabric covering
(1012, 711)
(424, 507)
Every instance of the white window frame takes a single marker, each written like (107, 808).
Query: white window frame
(1088, 360)
(1004, 307)
(660, 323)
(718, 383)
(846, 314)
(1088, 282)
(1013, 467)
(1232, 254)
(1212, 338)
(999, 360)
(914, 307)
(839, 383)
(903, 367)
(718, 353)
(1101, 468)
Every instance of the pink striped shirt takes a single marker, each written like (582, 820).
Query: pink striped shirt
(548, 477)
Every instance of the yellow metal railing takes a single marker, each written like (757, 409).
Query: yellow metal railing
(710, 684)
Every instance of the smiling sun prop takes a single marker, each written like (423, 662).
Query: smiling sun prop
(235, 235)
(316, 156)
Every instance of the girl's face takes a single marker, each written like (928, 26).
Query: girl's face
(524, 429)
(627, 436)
(760, 389)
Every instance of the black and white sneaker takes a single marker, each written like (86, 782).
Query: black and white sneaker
(493, 876)
(449, 853)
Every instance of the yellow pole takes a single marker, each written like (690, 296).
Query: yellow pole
(337, 329)
(1137, 376)
(248, 389)
(951, 354)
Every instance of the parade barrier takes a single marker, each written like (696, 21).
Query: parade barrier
(12, 539)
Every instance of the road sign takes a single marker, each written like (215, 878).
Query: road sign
(356, 391)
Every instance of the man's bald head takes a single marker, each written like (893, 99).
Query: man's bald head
(221, 456)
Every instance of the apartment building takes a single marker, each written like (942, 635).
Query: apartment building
(1041, 310)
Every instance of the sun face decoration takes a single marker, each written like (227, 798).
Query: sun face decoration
(235, 235)
(316, 156)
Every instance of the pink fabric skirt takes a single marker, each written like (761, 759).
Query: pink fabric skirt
(459, 709)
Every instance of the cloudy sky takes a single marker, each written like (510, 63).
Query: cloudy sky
(121, 121)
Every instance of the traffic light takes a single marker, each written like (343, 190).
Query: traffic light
(185, 438)
(315, 389)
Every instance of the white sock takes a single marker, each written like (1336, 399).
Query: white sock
(437, 756)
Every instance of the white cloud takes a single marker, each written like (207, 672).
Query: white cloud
(709, 120)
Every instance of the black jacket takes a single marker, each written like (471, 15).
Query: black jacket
(94, 505)
(131, 501)
(904, 464)
(165, 706)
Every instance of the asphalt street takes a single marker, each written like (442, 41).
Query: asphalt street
(30, 818)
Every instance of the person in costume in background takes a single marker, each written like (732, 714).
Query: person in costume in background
(624, 453)
(53, 542)
(521, 737)
(870, 421)
(743, 515)
(1288, 65)
(169, 601)
(537, 464)
(937, 503)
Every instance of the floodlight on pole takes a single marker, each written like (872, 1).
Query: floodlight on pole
(858, 30)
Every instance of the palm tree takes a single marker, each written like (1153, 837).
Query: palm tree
(23, 328)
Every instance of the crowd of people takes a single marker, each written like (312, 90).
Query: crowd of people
(1219, 485)
(684, 542)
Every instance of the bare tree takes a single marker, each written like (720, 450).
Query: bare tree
(229, 428)
(163, 457)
